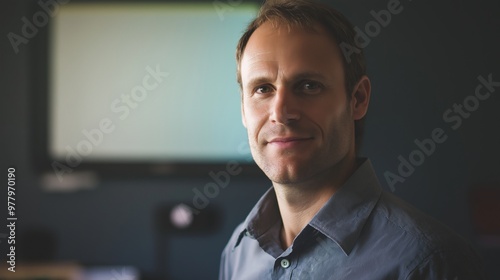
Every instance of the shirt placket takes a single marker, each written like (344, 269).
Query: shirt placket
(284, 265)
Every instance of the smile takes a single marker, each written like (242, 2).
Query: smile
(288, 142)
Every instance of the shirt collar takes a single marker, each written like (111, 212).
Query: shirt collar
(341, 218)
(264, 215)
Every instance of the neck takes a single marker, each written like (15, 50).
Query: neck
(299, 202)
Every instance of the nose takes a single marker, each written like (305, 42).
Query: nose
(284, 108)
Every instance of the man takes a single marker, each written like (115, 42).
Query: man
(325, 217)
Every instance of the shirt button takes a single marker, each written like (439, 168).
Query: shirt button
(285, 263)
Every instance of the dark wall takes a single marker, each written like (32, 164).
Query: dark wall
(426, 59)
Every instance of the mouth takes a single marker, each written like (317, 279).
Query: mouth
(286, 142)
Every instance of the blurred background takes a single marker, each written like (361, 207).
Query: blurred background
(158, 174)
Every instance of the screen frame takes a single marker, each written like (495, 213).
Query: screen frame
(39, 60)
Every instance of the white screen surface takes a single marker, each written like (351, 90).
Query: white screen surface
(146, 82)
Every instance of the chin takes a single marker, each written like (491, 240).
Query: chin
(287, 174)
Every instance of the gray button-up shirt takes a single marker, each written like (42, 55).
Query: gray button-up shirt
(362, 232)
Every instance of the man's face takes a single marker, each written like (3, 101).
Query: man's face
(299, 120)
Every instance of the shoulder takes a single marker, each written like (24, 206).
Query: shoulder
(409, 220)
(243, 258)
(433, 250)
(235, 238)
(226, 263)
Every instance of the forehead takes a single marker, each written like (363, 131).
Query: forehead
(289, 49)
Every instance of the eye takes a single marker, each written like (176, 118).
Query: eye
(263, 89)
(310, 87)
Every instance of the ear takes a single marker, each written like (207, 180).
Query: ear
(360, 98)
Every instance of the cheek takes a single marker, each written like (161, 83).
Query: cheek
(341, 132)
(337, 124)
(253, 121)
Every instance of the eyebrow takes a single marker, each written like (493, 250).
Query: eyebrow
(262, 79)
(308, 75)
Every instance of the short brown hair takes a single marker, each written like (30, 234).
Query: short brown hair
(305, 14)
